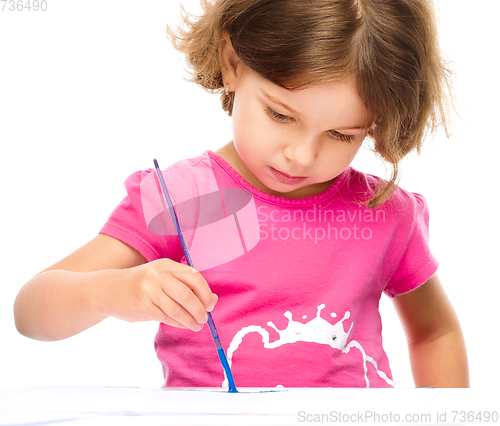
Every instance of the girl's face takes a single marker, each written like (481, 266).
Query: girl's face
(294, 143)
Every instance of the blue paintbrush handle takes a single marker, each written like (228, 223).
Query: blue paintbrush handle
(211, 324)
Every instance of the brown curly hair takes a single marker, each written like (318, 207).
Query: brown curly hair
(390, 46)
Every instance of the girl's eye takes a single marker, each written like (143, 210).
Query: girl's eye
(286, 119)
(277, 116)
(340, 136)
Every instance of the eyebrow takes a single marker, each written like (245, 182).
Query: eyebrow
(278, 102)
(290, 109)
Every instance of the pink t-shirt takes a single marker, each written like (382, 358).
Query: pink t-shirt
(299, 279)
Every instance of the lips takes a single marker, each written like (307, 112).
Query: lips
(285, 178)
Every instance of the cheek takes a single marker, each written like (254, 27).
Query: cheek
(242, 118)
(250, 127)
(349, 156)
(351, 152)
(340, 155)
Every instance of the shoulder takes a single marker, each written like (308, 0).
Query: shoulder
(403, 207)
(140, 219)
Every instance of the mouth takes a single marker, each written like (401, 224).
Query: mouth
(286, 178)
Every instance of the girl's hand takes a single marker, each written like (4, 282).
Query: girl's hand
(163, 291)
(106, 277)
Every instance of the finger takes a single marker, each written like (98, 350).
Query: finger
(160, 316)
(179, 312)
(183, 303)
(215, 300)
(196, 282)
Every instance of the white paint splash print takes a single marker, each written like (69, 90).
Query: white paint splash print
(318, 330)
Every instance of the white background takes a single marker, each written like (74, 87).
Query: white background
(91, 91)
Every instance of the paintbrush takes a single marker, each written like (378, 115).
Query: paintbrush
(211, 324)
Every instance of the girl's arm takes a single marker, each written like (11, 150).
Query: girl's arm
(437, 349)
(105, 278)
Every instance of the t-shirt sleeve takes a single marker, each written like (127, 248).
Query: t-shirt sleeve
(417, 263)
(127, 224)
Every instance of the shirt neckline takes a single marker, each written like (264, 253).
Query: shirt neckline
(275, 199)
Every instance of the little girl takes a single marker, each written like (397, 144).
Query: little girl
(292, 247)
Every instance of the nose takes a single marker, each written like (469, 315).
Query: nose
(302, 152)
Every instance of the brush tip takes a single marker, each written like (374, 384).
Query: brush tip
(156, 163)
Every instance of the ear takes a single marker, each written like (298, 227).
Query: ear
(230, 62)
